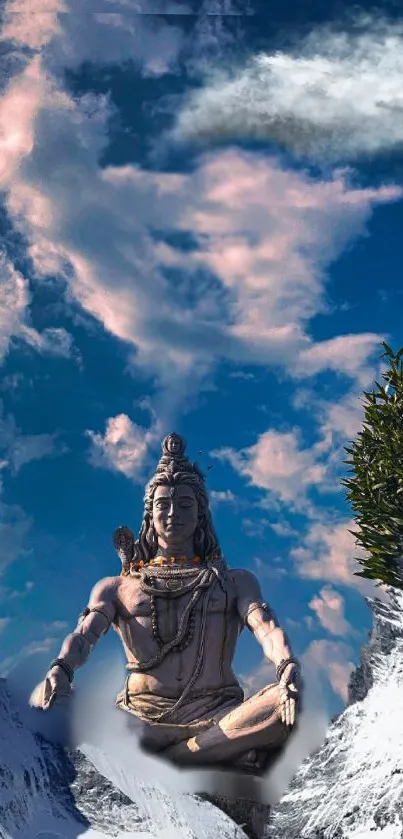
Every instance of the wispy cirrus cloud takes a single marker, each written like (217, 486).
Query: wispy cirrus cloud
(15, 300)
(3, 623)
(8, 664)
(7, 594)
(336, 93)
(14, 527)
(19, 449)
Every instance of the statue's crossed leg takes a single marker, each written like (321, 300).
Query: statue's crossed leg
(253, 725)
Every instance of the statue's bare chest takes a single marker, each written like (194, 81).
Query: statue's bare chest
(167, 597)
(145, 620)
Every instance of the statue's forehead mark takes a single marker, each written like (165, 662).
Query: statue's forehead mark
(174, 491)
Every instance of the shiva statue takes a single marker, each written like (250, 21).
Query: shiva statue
(179, 609)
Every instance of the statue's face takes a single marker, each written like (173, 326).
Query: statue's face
(175, 515)
(174, 444)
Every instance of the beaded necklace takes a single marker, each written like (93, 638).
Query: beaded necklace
(162, 561)
(200, 584)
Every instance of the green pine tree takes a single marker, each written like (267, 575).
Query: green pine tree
(375, 488)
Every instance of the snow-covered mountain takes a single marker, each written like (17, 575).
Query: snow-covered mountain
(352, 787)
(48, 793)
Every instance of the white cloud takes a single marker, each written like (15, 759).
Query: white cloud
(341, 419)
(102, 33)
(280, 465)
(345, 353)
(53, 341)
(222, 496)
(263, 235)
(18, 109)
(333, 660)
(283, 529)
(241, 374)
(17, 449)
(334, 94)
(272, 568)
(14, 526)
(263, 239)
(8, 664)
(55, 626)
(329, 659)
(327, 552)
(7, 594)
(28, 24)
(3, 623)
(14, 300)
(31, 447)
(20, 449)
(123, 448)
(277, 464)
(328, 606)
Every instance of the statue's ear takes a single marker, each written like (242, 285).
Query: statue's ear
(199, 540)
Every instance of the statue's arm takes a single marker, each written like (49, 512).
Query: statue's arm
(94, 622)
(258, 616)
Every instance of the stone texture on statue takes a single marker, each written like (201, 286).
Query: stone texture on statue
(179, 610)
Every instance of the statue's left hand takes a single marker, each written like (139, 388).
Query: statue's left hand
(289, 695)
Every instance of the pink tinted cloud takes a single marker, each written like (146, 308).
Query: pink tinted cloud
(124, 447)
(333, 660)
(328, 606)
(264, 235)
(328, 552)
(29, 24)
(329, 659)
(278, 464)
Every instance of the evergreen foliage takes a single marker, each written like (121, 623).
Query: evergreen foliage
(375, 488)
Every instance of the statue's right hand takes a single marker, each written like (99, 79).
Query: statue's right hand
(55, 688)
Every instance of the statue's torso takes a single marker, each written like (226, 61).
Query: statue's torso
(134, 625)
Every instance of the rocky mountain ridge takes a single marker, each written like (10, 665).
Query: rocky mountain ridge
(47, 792)
(352, 787)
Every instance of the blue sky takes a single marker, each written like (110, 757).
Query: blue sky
(200, 232)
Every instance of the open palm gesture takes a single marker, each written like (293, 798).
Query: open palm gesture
(289, 694)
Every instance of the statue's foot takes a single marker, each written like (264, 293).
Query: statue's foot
(251, 761)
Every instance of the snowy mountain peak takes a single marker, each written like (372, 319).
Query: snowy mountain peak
(47, 791)
(385, 640)
(352, 788)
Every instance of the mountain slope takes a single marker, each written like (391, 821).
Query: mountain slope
(352, 788)
(49, 793)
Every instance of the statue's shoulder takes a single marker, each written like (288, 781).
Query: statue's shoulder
(106, 589)
(245, 581)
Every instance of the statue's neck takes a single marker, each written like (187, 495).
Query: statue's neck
(181, 555)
